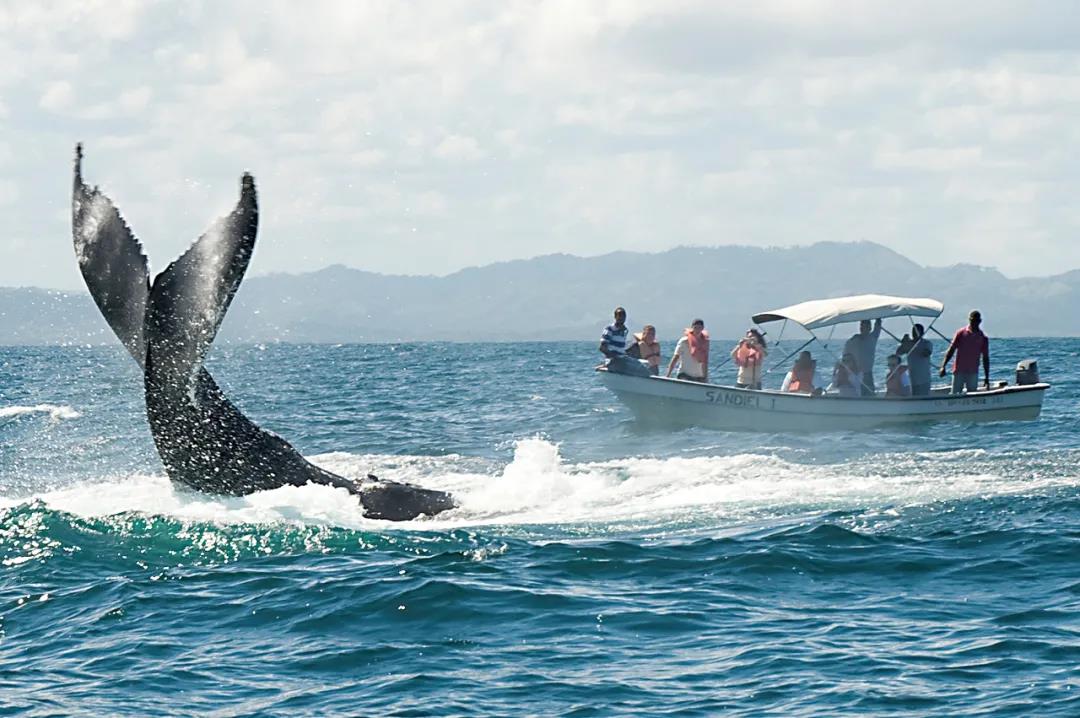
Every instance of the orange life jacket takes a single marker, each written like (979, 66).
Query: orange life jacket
(699, 346)
(802, 379)
(746, 355)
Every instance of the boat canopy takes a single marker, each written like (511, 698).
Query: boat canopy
(827, 312)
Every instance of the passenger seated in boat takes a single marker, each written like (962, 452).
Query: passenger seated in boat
(897, 382)
(847, 379)
(646, 348)
(613, 341)
(802, 378)
(749, 356)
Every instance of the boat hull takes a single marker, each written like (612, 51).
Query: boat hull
(686, 403)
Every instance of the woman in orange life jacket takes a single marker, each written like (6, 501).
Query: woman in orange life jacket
(897, 383)
(749, 356)
(803, 375)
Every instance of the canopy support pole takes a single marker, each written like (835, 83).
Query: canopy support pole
(807, 343)
(776, 345)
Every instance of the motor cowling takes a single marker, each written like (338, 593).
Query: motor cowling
(1027, 372)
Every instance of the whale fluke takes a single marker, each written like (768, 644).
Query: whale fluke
(111, 261)
(204, 441)
(188, 300)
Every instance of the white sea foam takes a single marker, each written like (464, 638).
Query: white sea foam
(56, 412)
(538, 487)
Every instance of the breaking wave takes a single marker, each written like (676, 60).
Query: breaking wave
(539, 487)
(56, 412)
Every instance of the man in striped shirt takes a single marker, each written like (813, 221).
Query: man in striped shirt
(614, 341)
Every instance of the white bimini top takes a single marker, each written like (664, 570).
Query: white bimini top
(827, 312)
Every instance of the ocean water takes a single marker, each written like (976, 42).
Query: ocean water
(594, 567)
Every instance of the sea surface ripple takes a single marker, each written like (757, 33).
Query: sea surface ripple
(594, 567)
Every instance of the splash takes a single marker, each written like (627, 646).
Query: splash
(56, 412)
(539, 487)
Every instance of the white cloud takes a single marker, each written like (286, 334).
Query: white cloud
(58, 96)
(457, 147)
(135, 100)
(929, 159)
(494, 130)
(9, 192)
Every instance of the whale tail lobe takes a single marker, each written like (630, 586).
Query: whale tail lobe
(112, 262)
(188, 300)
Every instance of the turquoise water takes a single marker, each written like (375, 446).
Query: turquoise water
(594, 567)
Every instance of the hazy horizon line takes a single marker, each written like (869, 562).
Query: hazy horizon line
(681, 247)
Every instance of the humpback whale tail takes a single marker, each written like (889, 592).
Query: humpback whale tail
(204, 441)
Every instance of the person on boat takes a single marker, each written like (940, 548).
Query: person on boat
(897, 382)
(847, 380)
(613, 341)
(802, 378)
(969, 343)
(646, 348)
(692, 354)
(749, 356)
(863, 347)
(918, 349)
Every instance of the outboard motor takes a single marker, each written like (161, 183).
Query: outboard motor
(1027, 372)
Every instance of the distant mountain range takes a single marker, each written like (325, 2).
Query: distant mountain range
(565, 297)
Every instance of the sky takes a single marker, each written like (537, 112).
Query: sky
(421, 138)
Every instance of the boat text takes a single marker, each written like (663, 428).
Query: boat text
(732, 398)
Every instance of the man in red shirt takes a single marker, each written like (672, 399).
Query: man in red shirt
(969, 343)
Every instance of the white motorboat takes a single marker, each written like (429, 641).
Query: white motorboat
(689, 403)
